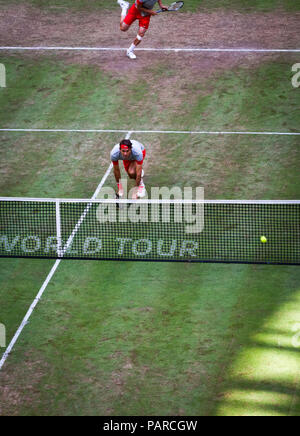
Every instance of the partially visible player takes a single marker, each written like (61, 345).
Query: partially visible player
(132, 153)
(141, 10)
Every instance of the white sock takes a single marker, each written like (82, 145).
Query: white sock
(123, 14)
(131, 48)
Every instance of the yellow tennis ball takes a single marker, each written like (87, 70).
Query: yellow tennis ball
(263, 239)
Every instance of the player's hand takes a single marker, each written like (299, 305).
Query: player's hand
(120, 190)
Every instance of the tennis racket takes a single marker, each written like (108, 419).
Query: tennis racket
(172, 8)
(119, 204)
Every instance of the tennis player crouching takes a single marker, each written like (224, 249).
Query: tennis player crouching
(141, 10)
(132, 153)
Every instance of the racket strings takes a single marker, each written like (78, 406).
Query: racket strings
(175, 6)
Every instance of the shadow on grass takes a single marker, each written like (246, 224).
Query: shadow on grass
(261, 375)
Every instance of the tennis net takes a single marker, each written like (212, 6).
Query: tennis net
(234, 231)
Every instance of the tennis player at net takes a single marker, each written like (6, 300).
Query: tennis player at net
(132, 153)
(141, 10)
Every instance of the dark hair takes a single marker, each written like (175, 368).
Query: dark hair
(126, 142)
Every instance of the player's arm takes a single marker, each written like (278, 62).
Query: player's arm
(161, 5)
(139, 168)
(117, 171)
(117, 174)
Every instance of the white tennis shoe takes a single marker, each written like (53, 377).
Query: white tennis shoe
(123, 4)
(131, 55)
(141, 192)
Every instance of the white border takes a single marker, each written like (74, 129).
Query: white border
(148, 201)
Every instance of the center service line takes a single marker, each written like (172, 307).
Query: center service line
(51, 273)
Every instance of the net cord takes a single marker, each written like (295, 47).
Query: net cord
(147, 201)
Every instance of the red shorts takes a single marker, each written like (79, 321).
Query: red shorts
(133, 14)
(126, 163)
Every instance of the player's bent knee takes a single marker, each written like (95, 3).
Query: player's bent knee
(142, 31)
(132, 174)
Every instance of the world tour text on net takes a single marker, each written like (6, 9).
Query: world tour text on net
(249, 231)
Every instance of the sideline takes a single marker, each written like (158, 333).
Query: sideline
(51, 274)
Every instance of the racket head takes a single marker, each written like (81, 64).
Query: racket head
(175, 6)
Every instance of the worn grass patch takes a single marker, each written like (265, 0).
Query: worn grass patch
(190, 5)
(64, 164)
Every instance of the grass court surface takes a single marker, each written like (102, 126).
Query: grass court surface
(113, 338)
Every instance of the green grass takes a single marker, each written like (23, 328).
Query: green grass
(57, 6)
(45, 94)
(244, 5)
(272, 352)
(161, 347)
(190, 5)
(113, 338)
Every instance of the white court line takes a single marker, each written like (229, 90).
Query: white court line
(166, 49)
(50, 275)
(29, 312)
(181, 132)
(85, 212)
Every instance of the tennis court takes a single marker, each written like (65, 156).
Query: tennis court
(149, 338)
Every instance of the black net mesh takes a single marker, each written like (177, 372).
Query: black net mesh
(209, 232)
(25, 228)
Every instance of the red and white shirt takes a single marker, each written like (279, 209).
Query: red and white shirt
(136, 153)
